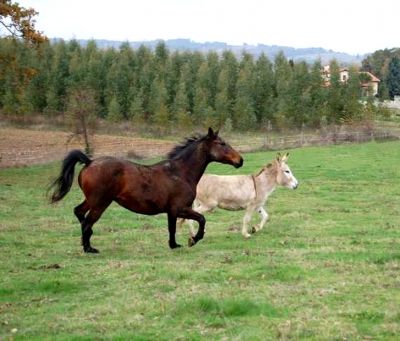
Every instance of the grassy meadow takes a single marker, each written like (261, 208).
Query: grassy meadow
(326, 266)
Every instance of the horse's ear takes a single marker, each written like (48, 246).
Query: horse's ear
(211, 132)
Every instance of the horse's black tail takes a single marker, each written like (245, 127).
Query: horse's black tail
(64, 182)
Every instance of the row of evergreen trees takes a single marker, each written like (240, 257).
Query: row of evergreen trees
(161, 87)
(385, 64)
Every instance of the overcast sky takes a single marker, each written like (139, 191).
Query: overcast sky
(350, 26)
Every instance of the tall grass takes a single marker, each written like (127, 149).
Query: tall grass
(327, 265)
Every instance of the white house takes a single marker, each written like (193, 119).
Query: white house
(369, 85)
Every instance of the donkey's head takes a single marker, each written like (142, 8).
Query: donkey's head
(284, 175)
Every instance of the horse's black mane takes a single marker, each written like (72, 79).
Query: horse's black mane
(186, 147)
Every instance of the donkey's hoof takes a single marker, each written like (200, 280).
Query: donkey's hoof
(90, 249)
(191, 241)
(247, 235)
(254, 229)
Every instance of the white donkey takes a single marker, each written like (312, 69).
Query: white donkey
(249, 192)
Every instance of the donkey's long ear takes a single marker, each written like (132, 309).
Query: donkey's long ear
(278, 157)
(285, 157)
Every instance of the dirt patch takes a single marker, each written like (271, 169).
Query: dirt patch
(20, 147)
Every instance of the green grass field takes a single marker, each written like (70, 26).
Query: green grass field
(326, 267)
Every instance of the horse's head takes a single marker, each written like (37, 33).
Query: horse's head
(285, 176)
(220, 151)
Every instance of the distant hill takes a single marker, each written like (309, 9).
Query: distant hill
(307, 54)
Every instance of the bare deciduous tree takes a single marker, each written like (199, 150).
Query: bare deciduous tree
(81, 116)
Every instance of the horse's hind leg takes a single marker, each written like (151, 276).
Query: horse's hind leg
(81, 210)
(172, 230)
(91, 218)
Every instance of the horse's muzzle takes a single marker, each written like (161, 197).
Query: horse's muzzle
(238, 164)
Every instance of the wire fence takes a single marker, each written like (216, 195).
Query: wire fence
(305, 140)
(20, 147)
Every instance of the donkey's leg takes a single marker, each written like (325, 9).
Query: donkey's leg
(91, 218)
(81, 210)
(246, 220)
(264, 218)
(179, 223)
(172, 230)
(189, 213)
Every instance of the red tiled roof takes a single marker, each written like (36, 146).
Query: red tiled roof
(373, 78)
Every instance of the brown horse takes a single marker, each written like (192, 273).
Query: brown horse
(165, 187)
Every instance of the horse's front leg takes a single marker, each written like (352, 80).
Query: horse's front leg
(199, 208)
(172, 230)
(189, 213)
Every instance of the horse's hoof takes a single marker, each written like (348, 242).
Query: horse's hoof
(191, 241)
(90, 250)
(175, 246)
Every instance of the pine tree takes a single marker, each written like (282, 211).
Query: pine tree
(145, 75)
(114, 110)
(202, 108)
(352, 107)
(298, 96)
(212, 73)
(157, 105)
(229, 65)
(264, 104)
(120, 79)
(180, 104)
(204, 114)
(136, 110)
(161, 119)
(334, 97)
(317, 114)
(222, 101)
(172, 77)
(282, 82)
(57, 79)
(95, 73)
(393, 78)
(243, 112)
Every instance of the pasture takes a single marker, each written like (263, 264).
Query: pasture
(326, 265)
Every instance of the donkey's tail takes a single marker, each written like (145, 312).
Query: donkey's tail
(63, 183)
